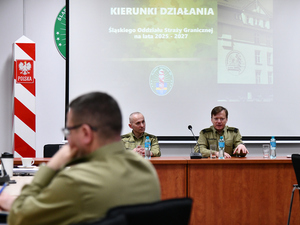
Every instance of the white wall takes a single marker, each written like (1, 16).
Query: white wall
(12, 28)
(38, 26)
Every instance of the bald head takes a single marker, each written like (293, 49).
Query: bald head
(133, 115)
(137, 123)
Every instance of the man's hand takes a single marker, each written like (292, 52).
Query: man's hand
(226, 155)
(141, 150)
(6, 201)
(241, 149)
(62, 157)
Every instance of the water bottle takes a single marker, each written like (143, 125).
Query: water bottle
(147, 148)
(273, 148)
(221, 147)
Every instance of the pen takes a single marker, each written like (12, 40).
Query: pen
(4, 185)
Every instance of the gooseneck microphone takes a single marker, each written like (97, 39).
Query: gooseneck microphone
(191, 129)
(195, 155)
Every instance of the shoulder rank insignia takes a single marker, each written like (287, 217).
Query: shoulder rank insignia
(235, 130)
(207, 130)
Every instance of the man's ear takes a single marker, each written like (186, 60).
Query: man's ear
(87, 133)
(130, 125)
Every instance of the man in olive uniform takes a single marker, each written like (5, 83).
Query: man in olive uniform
(135, 140)
(90, 175)
(210, 136)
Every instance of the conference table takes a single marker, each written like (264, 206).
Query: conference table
(249, 190)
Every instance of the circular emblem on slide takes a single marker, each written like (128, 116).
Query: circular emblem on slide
(235, 63)
(161, 80)
(60, 32)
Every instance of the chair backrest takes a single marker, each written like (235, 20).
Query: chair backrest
(3, 217)
(167, 212)
(118, 220)
(296, 165)
(51, 149)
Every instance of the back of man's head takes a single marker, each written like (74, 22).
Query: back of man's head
(99, 110)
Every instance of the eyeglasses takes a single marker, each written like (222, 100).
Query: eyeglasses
(221, 119)
(66, 130)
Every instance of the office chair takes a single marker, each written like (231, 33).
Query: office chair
(51, 149)
(118, 220)
(296, 165)
(168, 212)
(3, 217)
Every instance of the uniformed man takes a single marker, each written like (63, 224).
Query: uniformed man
(83, 180)
(135, 140)
(210, 136)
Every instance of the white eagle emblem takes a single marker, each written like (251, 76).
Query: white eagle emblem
(24, 67)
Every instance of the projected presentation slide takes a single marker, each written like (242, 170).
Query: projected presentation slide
(175, 60)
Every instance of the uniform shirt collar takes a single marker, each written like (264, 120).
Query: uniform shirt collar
(135, 138)
(222, 133)
(110, 149)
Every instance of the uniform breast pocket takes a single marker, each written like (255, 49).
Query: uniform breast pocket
(229, 143)
(212, 142)
(229, 147)
(129, 146)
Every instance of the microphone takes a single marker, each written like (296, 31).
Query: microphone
(195, 155)
(4, 176)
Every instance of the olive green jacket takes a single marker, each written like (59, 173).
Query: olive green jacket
(85, 190)
(210, 136)
(130, 142)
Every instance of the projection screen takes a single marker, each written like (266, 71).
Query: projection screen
(175, 60)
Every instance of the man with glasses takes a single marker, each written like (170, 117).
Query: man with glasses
(210, 136)
(89, 175)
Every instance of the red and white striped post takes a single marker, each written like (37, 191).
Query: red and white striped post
(24, 122)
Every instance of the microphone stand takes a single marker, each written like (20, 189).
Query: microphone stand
(195, 155)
